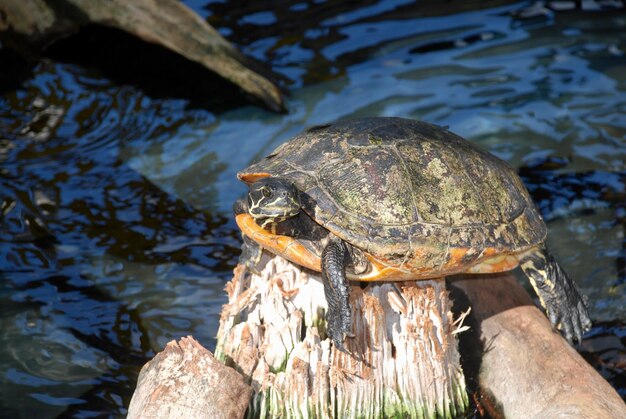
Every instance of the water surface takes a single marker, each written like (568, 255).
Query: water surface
(116, 233)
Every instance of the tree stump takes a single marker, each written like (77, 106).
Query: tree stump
(404, 360)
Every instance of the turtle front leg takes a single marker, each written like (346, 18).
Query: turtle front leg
(337, 292)
(251, 252)
(565, 305)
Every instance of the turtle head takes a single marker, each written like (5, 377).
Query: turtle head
(272, 200)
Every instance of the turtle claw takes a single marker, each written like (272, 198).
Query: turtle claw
(339, 345)
(567, 311)
(250, 265)
(339, 326)
(252, 269)
(584, 322)
(575, 324)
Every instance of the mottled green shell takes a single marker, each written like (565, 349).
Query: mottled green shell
(407, 192)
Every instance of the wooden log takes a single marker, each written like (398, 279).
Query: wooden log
(523, 367)
(168, 23)
(404, 360)
(185, 381)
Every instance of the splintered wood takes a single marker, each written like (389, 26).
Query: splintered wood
(403, 362)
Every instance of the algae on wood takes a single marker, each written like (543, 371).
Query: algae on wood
(168, 23)
(404, 358)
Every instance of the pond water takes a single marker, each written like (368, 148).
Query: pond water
(116, 234)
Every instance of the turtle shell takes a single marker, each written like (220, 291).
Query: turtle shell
(411, 195)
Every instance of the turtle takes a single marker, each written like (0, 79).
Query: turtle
(393, 199)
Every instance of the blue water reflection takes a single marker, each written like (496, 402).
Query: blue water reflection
(116, 234)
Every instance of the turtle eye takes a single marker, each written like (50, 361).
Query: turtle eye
(267, 192)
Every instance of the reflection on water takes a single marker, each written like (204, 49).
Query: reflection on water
(116, 234)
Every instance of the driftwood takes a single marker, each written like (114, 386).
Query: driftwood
(524, 368)
(168, 23)
(185, 381)
(404, 360)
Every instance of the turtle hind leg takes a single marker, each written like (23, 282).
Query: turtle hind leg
(565, 305)
(337, 292)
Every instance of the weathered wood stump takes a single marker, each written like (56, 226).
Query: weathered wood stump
(404, 360)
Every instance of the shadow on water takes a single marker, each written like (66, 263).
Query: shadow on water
(15, 69)
(118, 165)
